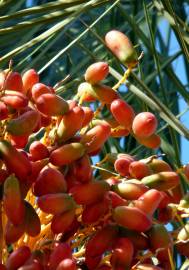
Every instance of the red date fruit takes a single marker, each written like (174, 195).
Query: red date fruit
(13, 233)
(15, 161)
(61, 222)
(96, 137)
(60, 252)
(37, 166)
(67, 264)
(81, 169)
(29, 78)
(88, 116)
(19, 142)
(122, 165)
(38, 151)
(122, 254)
(14, 99)
(3, 111)
(149, 201)
(39, 89)
(18, 257)
(96, 72)
(49, 181)
(52, 105)
(115, 199)
(144, 124)
(90, 192)
(14, 82)
(93, 212)
(101, 241)
(139, 169)
(123, 113)
(32, 266)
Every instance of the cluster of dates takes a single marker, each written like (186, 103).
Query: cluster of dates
(55, 213)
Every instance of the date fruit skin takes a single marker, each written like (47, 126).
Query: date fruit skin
(121, 46)
(132, 218)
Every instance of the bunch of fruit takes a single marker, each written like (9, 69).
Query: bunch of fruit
(56, 212)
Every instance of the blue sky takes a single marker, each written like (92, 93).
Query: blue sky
(179, 69)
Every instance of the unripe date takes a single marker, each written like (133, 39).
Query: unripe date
(96, 137)
(66, 154)
(161, 181)
(130, 190)
(121, 46)
(32, 221)
(139, 239)
(132, 218)
(25, 124)
(12, 200)
(158, 165)
(100, 92)
(159, 237)
(56, 203)
(71, 123)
